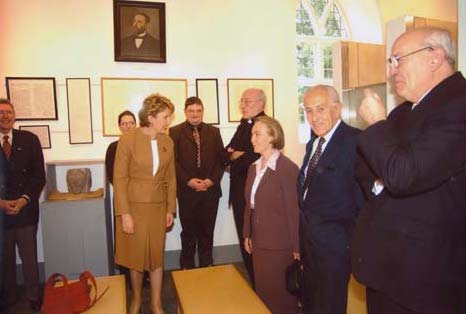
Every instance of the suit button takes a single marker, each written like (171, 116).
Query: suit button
(359, 259)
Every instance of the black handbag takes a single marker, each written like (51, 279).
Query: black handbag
(294, 278)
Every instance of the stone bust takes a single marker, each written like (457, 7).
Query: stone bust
(79, 180)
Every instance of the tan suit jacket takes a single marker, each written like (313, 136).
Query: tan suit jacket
(133, 175)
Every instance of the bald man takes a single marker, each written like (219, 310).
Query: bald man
(409, 245)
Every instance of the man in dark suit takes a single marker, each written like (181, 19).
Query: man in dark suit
(26, 178)
(5, 205)
(140, 43)
(241, 155)
(328, 202)
(409, 245)
(199, 161)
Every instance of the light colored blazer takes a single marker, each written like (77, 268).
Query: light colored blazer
(133, 178)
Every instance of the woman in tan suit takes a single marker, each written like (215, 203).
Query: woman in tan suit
(271, 216)
(145, 193)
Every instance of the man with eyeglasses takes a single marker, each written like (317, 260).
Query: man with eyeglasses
(24, 167)
(241, 155)
(409, 245)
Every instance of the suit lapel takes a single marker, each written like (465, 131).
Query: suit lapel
(162, 154)
(331, 150)
(188, 133)
(16, 145)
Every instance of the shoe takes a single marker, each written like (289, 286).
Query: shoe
(35, 305)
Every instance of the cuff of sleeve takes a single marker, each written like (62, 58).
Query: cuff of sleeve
(27, 198)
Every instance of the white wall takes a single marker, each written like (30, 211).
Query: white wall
(462, 36)
(205, 38)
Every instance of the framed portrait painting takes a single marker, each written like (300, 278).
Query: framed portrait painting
(139, 31)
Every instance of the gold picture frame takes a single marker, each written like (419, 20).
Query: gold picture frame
(236, 86)
(119, 94)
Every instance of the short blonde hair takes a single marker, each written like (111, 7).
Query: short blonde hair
(274, 129)
(153, 105)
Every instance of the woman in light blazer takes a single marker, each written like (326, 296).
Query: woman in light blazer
(271, 216)
(145, 193)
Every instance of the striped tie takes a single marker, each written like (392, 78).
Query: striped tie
(6, 146)
(197, 139)
(312, 165)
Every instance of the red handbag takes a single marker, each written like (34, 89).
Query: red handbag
(69, 298)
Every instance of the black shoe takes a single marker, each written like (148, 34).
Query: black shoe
(35, 305)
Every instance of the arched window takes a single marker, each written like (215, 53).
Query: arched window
(319, 23)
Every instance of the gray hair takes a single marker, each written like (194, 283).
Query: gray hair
(260, 94)
(438, 37)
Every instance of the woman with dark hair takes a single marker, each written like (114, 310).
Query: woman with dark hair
(145, 196)
(271, 216)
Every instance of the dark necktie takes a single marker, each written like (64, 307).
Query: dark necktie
(6, 146)
(312, 165)
(197, 139)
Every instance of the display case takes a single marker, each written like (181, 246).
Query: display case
(77, 234)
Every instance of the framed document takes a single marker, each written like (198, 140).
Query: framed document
(139, 31)
(237, 86)
(120, 94)
(34, 98)
(42, 132)
(207, 91)
(79, 110)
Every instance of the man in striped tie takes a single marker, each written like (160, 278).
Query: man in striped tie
(24, 161)
(199, 160)
(328, 201)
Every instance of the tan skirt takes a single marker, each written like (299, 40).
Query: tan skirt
(142, 250)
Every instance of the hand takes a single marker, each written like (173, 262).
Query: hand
(248, 245)
(169, 219)
(127, 223)
(196, 184)
(207, 184)
(8, 206)
(17, 205)
(296, 255)
(372, 108)
(236, 154)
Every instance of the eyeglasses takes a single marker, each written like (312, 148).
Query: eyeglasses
(394, 61)
(248, 101)
(6, 112)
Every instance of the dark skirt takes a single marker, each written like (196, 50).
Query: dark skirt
(269, 274)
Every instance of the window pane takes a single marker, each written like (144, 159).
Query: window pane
(334, 25)
(303, 22)
(305, 58)
(319, 6)
(327, 54)
(301, 90)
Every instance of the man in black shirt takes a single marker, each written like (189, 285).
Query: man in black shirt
(241, 154)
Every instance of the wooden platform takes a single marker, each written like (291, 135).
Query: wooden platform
(213, 290)
(114, 300)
